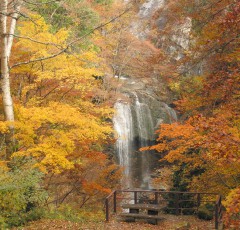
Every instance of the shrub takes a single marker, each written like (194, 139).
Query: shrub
(20, 193)
(205, 211)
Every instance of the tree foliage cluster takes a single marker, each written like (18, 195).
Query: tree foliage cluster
(53, 141)
(207, 137)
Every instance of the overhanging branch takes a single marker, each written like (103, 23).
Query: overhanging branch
(36, 41)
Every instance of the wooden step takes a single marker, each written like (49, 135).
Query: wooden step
(141, 216)
(153, 207)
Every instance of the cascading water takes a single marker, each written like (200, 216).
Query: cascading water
(144, 120)
(145, 134)
(135, 123)
(123, 124)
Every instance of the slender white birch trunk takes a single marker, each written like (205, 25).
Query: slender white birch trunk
(5, 81)
(6, 41)
(12, 27)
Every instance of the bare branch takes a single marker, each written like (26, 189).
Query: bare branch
(26, 16)
(40, 59)
(7, 14)
(36, 41)
(65, 93)
(38, 3)
(55, 10)
(48, 93)
(211, 17)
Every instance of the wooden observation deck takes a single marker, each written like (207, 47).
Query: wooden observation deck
(151, 204)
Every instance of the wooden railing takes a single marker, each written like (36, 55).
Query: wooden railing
(218, 211)
(111, 204)
(173, 202)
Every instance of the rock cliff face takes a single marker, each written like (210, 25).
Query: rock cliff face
(149, 7)
(146, 11)
(177, 42)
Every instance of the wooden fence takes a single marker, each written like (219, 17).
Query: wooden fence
(173, 202)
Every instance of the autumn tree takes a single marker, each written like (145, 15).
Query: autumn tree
(59, 131)
(62, 89)
(9, 14)
(207, 83)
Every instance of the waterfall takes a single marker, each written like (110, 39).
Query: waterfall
(144, 120)
(145, 133)
(171, 113)
(135, 122)
(123, 124)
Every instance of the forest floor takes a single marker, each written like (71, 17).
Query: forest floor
(170, 222)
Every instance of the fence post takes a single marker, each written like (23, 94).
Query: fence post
(115, 201)
(135, 197)
(107, 209)
(198, 200)
(156, 197)
(216, 212)
(177, 204)
(216, 216)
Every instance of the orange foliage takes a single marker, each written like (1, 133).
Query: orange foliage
(209, 136)
(232, 204)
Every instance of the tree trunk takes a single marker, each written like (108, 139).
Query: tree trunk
(5, 80)
(15, 15)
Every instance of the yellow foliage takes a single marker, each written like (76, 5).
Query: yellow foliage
(51, 133)
(4, 127)
(56, 122)
(68, 68)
